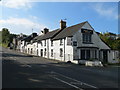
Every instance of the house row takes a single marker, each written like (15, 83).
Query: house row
(75, 43)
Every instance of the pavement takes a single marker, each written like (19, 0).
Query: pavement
(24, 71)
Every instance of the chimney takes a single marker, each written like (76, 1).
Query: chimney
(34, 34)
(62, 24)
(45, 30)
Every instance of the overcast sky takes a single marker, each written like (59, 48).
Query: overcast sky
(23, 16)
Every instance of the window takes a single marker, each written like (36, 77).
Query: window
(86, 38)
(61, 42)
(45, 43)
(41, 43)
(28, 50)
(37, 51)
(82, 54)
(74, 43)
(94, 54)
(69, 40)
(88, 54)
(31, 51)
(45, 52)
(51, 43)
(51, 52)
(61, 52)
(37, 45)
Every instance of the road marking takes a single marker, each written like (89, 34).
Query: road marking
(34, 80)
(25, 65)
(75, 80)
(67, 83)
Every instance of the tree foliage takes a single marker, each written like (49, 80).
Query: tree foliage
(6, 37)
(111, 40)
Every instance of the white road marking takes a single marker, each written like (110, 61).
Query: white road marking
(34, 80)
(67, 83)
(75, 80)
(25, 65)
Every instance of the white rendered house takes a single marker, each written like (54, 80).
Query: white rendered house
(76, 43)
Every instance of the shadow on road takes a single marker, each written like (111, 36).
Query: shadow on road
(21, 76)
(14, 55)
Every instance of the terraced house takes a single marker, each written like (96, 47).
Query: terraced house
(76, 43)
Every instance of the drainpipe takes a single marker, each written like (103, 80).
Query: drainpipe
(64, 49)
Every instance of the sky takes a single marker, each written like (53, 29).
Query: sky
(24, 16)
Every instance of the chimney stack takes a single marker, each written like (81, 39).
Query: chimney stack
(45, 30)
(62, 24)
(34, 34)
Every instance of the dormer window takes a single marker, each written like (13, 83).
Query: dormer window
(87, 35)
(86, 38)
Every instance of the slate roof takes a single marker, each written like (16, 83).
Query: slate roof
(50, 34)
(35, 39)
(69, 31)
(29, 38)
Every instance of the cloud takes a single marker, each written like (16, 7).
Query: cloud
(33, 17)
(109, 12)
(21, 25)
(17, 4)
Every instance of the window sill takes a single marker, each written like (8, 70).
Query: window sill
(87, 42)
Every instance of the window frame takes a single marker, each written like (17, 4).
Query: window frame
(51, 42)
(45, 52)
(87, 38)
(61, 52)
(51, 52)
(61, 41)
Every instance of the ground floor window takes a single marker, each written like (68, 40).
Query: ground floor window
(31, 51)
(45, 52)
(61, 52)
(51, 52)
(88, 54)
(37, 51)
(28, 50)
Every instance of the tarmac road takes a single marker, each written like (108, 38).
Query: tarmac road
(24, 71)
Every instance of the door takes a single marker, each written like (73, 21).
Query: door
(105, 56)
(82, 54)
(41, 52)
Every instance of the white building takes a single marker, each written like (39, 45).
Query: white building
(27, 42)
(75, 43)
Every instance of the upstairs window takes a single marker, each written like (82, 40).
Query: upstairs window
(87, 35)
(86, 38)
(45, 43)
(37, 45)
(51, 43)
(74, 43)
(61, 42)
(69, 40)
(41, 43)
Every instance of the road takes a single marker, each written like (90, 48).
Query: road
(24, 71)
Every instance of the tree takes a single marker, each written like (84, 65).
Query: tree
(5, 35)
(113, 43)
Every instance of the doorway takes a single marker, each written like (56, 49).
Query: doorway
(105, 56)
(41, 52)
